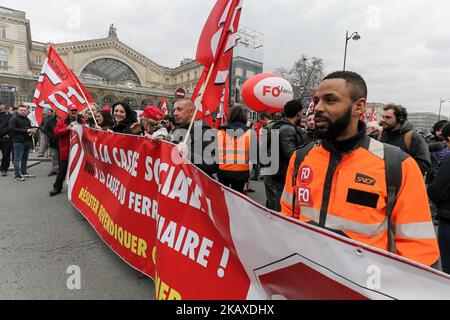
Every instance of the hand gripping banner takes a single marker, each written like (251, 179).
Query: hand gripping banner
(199, 240)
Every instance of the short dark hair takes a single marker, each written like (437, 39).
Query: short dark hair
(446, 132)
(237, 114)
(292, 108)
(265, 115)
(358, 87)
(401, 114)
(169, 118)
(439, 125)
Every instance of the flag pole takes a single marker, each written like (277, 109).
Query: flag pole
(202, 91)
(90, 109)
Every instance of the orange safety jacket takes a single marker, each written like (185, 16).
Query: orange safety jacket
(233, 151)
(347, 194)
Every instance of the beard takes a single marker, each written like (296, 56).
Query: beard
(333, 129)
(388, 127)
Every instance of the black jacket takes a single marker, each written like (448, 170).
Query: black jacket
(290, 140)
(124, 126)
(240, 130)
(194, 138)
(48, 126)
(18, 126)
(439, 190)
(4, 124)
(419, 148)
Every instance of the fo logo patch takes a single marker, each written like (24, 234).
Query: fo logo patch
(363, 179)
(306, 175)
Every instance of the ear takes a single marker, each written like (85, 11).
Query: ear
(360, 108)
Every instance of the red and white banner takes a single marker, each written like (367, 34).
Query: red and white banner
(200, 240)
(215, 52)
(58, 88)
(373, 116)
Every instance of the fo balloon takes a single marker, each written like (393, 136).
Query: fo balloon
(267, 92)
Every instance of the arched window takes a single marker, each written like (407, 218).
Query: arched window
(2, 33)
(3, 57)
(111, 71)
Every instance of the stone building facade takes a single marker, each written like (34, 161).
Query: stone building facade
(110, 70)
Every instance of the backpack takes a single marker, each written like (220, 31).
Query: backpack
(407, 138)
(393, 174)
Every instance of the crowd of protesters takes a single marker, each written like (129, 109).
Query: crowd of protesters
(298, 132)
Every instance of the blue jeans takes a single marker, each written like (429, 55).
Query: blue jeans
(21, 152)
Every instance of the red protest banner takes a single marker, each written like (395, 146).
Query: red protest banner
(58, 87)
(200, 240)
(147, 209)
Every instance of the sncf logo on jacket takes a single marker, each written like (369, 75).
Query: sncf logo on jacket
(363, 179)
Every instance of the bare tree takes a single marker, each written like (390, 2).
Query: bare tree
(304, 76)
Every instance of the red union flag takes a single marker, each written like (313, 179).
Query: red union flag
(215, 51)
(373, 116)
(163, 107)
(58, 87)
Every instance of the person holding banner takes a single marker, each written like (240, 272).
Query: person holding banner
(356, 186)
(151, 120)
(62, 132)
(184, 112)
(105, 120)
(126, 119)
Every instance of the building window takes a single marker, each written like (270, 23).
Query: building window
(182, 78)
(195, 74)
(3, 57)
(38, 59)
(188, 76)
(2, 32)
(239, 72)
(250, 74)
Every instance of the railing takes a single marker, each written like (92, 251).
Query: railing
(11, 12)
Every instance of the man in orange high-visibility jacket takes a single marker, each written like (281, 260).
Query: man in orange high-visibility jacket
(342, 185)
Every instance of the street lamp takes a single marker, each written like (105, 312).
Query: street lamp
(440, 107)
(355, 36)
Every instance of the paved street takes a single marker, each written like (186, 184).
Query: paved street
(40, 237)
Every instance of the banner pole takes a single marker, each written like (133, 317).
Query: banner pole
(202, 91)
(90, 109)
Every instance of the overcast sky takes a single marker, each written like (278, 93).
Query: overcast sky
(403, 53)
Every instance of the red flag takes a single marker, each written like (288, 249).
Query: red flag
(163, 107)
(373, 116)
(215, 51)
(58, 87)
(363, 117)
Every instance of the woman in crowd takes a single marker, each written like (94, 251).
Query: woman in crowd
(234, 150)
(105, 120)
(439, 193)
(152, 127)
(126, 119)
